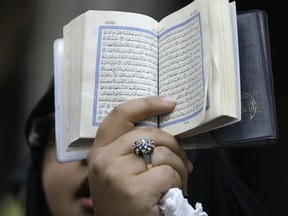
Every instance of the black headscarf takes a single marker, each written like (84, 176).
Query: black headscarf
(213, 181)
(39, 124)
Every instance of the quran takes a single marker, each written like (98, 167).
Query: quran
(108, 57)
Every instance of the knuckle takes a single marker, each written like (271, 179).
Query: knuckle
(168, 171)
(145, 101)
(131, 194)
(164, 152)
(117, 110)
(171, 173)
(110, 176)
(105, 173)
(95, 160)
(152, 131)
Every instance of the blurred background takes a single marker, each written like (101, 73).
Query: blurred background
(27, 31)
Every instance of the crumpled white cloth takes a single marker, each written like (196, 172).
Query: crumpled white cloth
(173, 203)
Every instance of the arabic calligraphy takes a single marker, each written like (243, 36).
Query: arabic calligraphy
(127, 67)
(181, 68)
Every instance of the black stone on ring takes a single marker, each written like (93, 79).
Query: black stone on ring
(144, 147)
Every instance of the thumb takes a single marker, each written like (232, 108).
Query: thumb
(122, 118)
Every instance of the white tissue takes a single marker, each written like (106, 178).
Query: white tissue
(173, 203)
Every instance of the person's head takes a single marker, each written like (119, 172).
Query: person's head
(53, 188)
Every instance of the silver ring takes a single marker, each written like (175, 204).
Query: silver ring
(144, 147)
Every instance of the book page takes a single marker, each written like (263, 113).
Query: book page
(184, 66)
(62, 119)
(225, 54)
(126, 68)
(223, 104)
(224, 85)
(120, 63)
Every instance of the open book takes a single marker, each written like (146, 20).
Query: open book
(108, 57)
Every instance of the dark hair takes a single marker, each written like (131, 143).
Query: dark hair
(38, 128)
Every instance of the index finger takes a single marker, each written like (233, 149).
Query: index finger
(123, 117)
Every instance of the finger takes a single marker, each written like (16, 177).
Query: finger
(122, 117)
(159, 179)
(123, 145)
(164, 156)
(135, 165)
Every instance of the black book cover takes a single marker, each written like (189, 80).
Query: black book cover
(258, 125)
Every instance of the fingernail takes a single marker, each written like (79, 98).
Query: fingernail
(168, 99)
(185, 192)
(190, 167)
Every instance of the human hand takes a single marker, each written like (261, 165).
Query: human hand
(120, 182)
